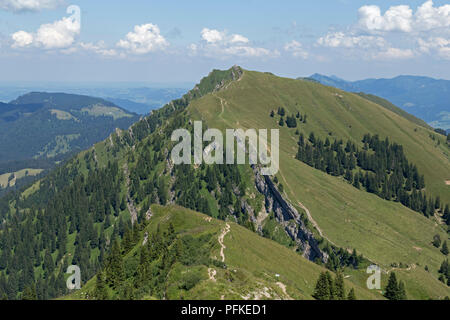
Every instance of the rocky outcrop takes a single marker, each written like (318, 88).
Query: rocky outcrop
(288, 217)
(236, 72)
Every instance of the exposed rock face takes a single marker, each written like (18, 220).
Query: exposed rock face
(288, 216)
(236, 72)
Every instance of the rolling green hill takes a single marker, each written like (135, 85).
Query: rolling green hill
(101, 205)
(242, 264)
(48, 124)
(49, 127)
(424, 97)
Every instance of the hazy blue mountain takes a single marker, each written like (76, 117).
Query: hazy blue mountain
(137, 99)
(423, 97)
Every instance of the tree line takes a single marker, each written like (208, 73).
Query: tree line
(381, 167)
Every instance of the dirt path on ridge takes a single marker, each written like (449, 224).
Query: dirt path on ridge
(221, 238)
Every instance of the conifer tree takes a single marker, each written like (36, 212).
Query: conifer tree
(401, 291)
(392, 292)
(100, 291)
(444, 248)
(351, 295)
(339, 286)
(437, 241)
(29, 293)
(322, 289)
(331, 287)
(114, 267)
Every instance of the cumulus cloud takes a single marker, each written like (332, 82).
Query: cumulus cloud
(394, 53)
(59, 34)
(429, 17)
(221, 44)
(401, 18)
(368, 46)
(28, 5)
(99, 48)
(396, 18)
(145, 38)
(212, 36)
(296, 48)
(215, 36)
(341, 39)
(375, 30)
(22, 39)
(438, 45)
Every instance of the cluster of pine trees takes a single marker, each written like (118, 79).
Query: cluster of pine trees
(339, 258)
(381, 167)
(444, 271)
(33, 242)
(395, 290)
(291, 121)
(152, 264)
(328, 288)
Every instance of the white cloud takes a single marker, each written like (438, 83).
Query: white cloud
(374, 32)
(341, 39)
(401, 18)
(212, 36)
(215, 36)
(59, 34)
(394, 53)
(28, 5)
(429, 17)
(366, 46)
(99, 48)
(397, 18)
(220, 44)
(296, 49)
(145, 38)
(438, 45)
(246, 51)
(237, 38)
(22, 39)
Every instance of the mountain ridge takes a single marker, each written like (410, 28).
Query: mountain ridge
(424, 97)
(48, 127)
(126, 175)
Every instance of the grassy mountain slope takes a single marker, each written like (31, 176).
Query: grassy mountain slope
(385, 232)
(49, 124)
(39, 130)
(255, 267)
(76, 212)
(424, 97)
(388, 105)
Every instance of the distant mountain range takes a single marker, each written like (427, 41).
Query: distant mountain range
(423, 97)
(40, 129)
(140, 100)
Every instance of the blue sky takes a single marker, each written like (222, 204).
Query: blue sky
(181, 41)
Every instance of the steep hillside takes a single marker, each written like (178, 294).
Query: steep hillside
(424, 97)
(215, 260)
(384, 231)
(96, 209)
(51, 126)
(46, 124)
